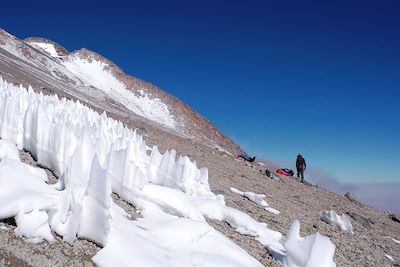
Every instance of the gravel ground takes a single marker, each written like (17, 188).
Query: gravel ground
(367, 247)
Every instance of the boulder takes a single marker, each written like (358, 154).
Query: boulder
(394, 217)
(351, 197)
(366, 222)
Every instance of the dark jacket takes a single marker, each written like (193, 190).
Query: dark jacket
(300, 163)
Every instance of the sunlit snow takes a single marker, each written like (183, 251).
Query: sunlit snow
(94, 155)
(95, 73)
(312, 250)
(256, 198)
(47, 47)
(343, 222)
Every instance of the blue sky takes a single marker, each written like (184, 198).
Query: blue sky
(279, 77)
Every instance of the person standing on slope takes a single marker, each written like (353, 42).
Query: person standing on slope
(301, 167)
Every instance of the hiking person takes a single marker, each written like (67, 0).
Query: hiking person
(301, 167)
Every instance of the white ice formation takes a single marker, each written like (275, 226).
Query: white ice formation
(332, 218)
(313, 250)
(259, 199)
(94, 156)
(256, 198)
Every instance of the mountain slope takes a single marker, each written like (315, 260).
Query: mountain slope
(41, 67)
(96, 81)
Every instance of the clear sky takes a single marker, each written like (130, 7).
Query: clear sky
(279, 77)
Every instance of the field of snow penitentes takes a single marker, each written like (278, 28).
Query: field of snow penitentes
(94, 156)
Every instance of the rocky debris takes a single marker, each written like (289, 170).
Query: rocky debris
(270, 174)
(366, 222)
(295, 201)
(394, 217)
(129, 208)
(15, 251)
(142, 131)
(351, 197)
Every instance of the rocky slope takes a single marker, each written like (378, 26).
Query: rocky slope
(373, 236)
(374, 230)
(102, 85)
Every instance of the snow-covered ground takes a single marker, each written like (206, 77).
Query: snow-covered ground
(94, 156)
(96, 73)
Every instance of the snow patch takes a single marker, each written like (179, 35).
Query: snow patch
(272, 210)
(28, 198)
(95, 73)
(396, 241)
(312, 250)
(214, 208)
(332, 218)
(256, 198)
(47, 47)
(220, 149)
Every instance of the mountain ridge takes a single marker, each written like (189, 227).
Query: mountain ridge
(188, 121)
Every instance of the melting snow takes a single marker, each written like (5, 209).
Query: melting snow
(94, 155)
(312, 250)
(95, 73)
(343, 222)
(256, 198)
(272, 210)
